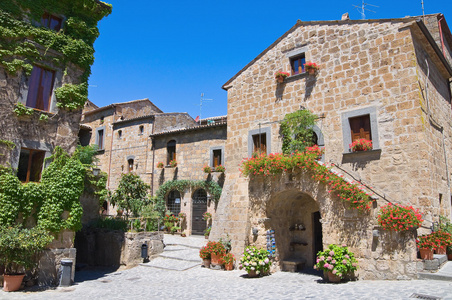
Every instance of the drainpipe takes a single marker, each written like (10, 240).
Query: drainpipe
(111, 150)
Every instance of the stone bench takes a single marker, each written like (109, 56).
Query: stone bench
(293, 264)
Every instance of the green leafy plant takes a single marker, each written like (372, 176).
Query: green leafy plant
(22, 110)
(207, 169)
(43, 117)
(220, 168)
(338, 260)
(398, 218)
(110, 223)
(296, 131)
(207, 231)
(131, 194)
(226, 243)
(254, 259)
(19, 247)
(72, 96)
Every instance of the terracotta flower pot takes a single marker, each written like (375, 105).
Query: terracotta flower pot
(12, 283)
(280, 79)
(449, 256)
(426, 254)
(206, 263)
(441, 250)
(333, 277)
(215, 259)
(229, 266)
(252, 274)
(311, 71)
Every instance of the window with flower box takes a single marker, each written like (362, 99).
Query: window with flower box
(360, 124)
(259, 141)
(216, 156)
(297, 64)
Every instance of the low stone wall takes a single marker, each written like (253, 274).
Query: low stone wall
(49, 267)
(102, 247)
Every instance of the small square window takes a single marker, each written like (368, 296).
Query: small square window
(360, 128)
(52, 22)
(297, 64)
(40, 88)
(30, 165)
(360, 124)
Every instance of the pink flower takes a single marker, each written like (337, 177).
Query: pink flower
(346, 256)
(333, 261)
(354, 264)
(329, 258)
(344, 262)
(330, 267)
(334, 271)
(326, 265)
(331, 253)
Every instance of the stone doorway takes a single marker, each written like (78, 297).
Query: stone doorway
(199, 207)
(295, 218)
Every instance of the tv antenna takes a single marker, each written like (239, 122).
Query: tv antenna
(423, 14)
(362, 9)
(200, 105)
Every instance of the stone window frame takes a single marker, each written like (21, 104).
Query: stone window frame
(35, 145)
(103, 138)
(267, 131)
(346, 130)
(211, 154)
(295, 53)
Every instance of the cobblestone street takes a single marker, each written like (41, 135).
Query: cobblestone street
(162, 279)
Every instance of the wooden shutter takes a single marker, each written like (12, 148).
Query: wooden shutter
(360, 128)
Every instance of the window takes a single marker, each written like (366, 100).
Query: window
(171, 151)
(360, 124)
(130, 163)
(260, 143)
(30, 164)
(360, 128)
(100, 138)
(141, 129)
(52, 22)
(216, 158)
(119, 133)
(40, 88)
(173, 203)
(297, 64)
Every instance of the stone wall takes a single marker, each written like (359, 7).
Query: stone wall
(366, 67)
(102, 247)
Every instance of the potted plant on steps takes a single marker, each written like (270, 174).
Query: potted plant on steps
(19, 249)
(426, 244)
(336, 262)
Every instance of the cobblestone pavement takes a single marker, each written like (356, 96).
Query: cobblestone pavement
(148, 282)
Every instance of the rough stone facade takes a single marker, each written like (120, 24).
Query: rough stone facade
(194, 150)
(392, 70)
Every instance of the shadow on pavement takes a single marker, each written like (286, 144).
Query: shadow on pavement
(93, 273)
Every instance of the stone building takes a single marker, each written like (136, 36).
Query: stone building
(135, 136)
(389, 79)
(47, 52)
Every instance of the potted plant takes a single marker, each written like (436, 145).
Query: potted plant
(173, 163)
(220, 168)
(361, 145)
(442, 239)
(399, 218)
(170, 221)
(426, 244)
(204, 253)
(216, 251)
(207, 169)
(19, 248)
(228, 261)
(160, 165)
(336, 262)
(449, 252)
(255, 261)
(280, 76)
(183, 234)
(311, 67)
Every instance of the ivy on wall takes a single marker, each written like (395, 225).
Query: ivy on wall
(61, 185)
(24, 42)
(296, 131)
(212, 187)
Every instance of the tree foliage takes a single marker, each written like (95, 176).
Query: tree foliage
(131, 194)
(296, 131)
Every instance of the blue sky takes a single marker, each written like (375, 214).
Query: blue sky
(172, 51)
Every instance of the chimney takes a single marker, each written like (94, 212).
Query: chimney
(345, 17)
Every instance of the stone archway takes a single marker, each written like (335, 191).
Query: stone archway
(295, 218)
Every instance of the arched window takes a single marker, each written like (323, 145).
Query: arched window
(171, 151)
(130, 163)
(141, 129)
(173, 203)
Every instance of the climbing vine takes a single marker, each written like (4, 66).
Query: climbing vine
(24, 42)
(22, 110)
(52, 203)
(296, 131)
(212, 187)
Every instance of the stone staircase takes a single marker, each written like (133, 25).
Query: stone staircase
(179, 254)
(437, 269)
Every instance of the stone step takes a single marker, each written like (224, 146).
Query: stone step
(436, 263)
(444, 273)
